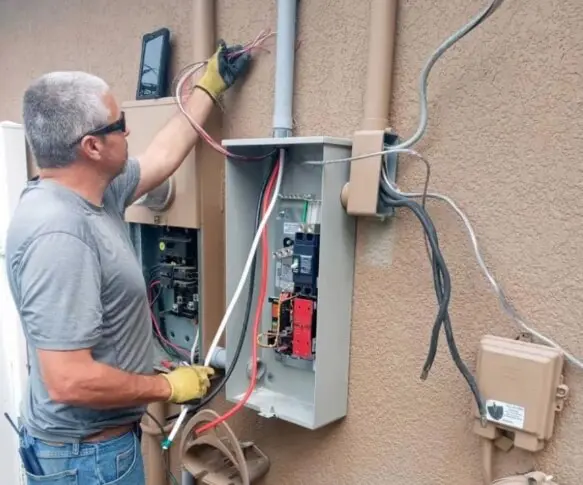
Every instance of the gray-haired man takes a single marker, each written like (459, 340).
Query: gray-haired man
(76, 281)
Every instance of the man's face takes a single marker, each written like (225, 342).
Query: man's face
(108, 151)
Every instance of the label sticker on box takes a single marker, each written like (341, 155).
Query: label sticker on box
(290, 228)
(504, 413)
(284, 278)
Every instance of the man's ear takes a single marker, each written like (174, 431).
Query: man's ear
(91, 147)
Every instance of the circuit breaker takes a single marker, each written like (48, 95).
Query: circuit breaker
(304, 343)
(169, 257)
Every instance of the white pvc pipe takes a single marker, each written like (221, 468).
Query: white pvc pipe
(284, 68)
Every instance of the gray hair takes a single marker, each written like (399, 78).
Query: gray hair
(58, 109)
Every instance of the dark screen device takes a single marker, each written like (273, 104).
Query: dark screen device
(153, 77)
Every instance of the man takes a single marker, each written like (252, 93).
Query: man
(77, 283)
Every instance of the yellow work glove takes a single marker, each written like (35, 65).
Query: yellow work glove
(188, 382)
(223, 69)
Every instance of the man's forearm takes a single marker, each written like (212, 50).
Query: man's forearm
(101, 386)
(173, 143)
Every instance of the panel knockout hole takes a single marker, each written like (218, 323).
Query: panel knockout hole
(261, 368)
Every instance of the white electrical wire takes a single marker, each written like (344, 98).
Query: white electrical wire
(423, 79)
(249, 261)
(504, 302)
(195, 344)
(238, 290)
(403, 148)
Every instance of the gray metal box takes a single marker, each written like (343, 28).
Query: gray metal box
(308, 393)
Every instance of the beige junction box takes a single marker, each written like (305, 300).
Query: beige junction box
(522, 385)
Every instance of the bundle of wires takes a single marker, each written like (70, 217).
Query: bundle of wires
(267, 203)
(179, 94)
(442, 282)
(390, 197)
(173, 350)
(198, 405)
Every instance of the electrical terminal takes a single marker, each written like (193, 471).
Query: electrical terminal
(283, 253)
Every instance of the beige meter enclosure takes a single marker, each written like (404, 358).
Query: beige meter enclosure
(178, 232)
(179, 207)
(522, 385)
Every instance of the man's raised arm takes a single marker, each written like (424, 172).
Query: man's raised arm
(172, 144)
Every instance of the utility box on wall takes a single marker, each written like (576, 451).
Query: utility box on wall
(305, 331)
(166, 232)
(144, 119)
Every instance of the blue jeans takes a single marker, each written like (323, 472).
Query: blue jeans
(117, 461)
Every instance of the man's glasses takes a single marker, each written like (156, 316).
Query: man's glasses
(118, 125)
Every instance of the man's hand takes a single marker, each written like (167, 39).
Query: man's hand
(170, 146)
(188, 383)
(74, 377)
(226, 66)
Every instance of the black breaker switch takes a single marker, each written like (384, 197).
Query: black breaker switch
(305, 262)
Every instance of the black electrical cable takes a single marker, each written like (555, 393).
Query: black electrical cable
(442, 283)
(209, 397)
(157, 422)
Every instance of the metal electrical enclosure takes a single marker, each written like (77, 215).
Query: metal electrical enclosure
(303, 376)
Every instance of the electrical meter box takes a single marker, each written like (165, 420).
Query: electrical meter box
(522, 385)
(177, 204)
(304, 344)
(166, 229)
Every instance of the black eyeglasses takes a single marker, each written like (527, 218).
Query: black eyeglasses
(118, 125)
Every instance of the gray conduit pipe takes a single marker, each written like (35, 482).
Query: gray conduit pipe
(284, 68)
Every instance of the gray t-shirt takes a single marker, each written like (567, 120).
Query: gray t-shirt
(77, 284)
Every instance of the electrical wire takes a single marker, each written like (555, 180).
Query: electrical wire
(260, 301)
(194, 347)
(506, 305)
(423, 78)
(442, 284)
(245, 323)
(157, 422)
(179, 96)
(422, 89)
(237, 293)
(158, 332)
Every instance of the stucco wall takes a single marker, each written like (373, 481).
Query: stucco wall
(505, 141)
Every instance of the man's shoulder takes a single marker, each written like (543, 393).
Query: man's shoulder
(41, 212)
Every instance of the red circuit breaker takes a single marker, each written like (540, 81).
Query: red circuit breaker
(303, 319)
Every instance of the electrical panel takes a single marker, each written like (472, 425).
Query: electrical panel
(304, 340)
(165, 228)
(169, 257)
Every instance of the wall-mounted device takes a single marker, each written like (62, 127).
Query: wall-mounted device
(154, 62)
(304, 344)
(522, 384)
(166, 230)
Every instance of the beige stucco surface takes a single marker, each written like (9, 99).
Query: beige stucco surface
(505, 141)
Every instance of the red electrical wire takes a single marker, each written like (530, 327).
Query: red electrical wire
(249, 47)
(157, 327)
(258, 310)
